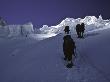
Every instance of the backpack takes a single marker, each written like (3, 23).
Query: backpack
(68, 42)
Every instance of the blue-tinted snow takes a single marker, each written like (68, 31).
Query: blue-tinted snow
(28, 60)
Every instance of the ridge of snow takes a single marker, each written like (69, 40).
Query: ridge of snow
(91, 23)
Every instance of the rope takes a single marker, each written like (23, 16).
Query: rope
(91, 64)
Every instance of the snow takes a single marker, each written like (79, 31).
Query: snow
(27, 28)
(41, 36)
(39, 57)
(16, 30)
(28, 60)
(2, 22)
(99, 48)
(91, 23)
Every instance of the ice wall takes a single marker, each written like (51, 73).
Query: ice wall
(17, 30)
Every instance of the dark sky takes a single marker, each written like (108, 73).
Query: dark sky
(51, 12)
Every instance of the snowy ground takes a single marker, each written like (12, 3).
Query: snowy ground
(29, 60)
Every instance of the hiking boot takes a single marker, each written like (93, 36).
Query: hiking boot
(69, 65)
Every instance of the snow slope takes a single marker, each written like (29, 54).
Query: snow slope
(29, 60)
(97, 49)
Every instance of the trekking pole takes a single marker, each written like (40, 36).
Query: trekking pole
(75, 53)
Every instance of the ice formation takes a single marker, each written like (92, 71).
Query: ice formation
(17, 30)
(91, 23)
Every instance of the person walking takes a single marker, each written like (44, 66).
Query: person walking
(66, 30)
(68, 50)
(82, 28)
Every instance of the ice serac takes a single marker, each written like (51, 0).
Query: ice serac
(20, 30)
(17, 30)
(91, 23)
(27, 29)
(13, 30)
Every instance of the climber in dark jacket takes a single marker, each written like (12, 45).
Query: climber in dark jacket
(68, 49)
(66, 30)
(78, 30)
(82, 28)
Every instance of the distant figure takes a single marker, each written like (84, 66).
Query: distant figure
(66, 30)
(68, 49)
(78, 30)
(82, 28)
